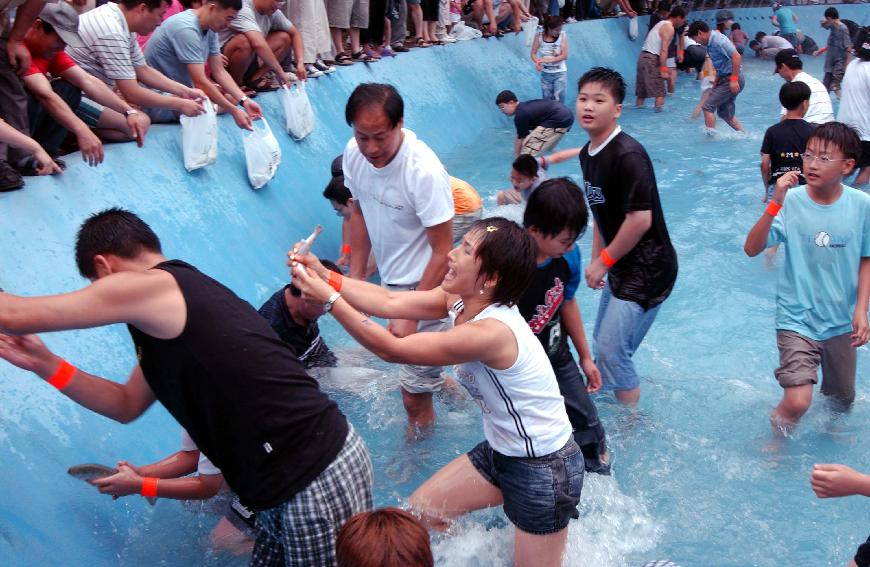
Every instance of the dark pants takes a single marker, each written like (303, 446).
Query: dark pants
(43, 127)
(400, 28)
(13, 108)
(588, 431)
(374, 34)
(580, 9)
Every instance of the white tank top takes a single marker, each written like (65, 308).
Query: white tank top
(653, 41)
(551, 49)
(523, 412)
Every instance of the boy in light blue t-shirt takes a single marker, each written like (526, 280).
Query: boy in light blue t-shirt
(824, 284)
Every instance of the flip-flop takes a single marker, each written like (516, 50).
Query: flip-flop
(344, 59)
(265, 83)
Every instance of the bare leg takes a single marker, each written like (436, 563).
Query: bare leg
(417, 18)
(794, 404)
(734, 123)
(354, 40)
(421, 412)
(388, 32)
(532, 550)
(660, 103)
(453, 491)
(240, 54)
(337, 41)
(709, 120)
(640, 102)
(628, 397)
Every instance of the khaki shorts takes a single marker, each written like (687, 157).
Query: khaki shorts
(420, 379)
(800, 358)
(541, 140)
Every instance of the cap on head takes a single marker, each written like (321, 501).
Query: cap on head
(789, 58)
(723, 16)
(65, 21)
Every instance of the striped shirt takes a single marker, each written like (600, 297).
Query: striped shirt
(111, 52)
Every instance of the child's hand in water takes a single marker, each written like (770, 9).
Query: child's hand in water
(832, 481)
(783, 184)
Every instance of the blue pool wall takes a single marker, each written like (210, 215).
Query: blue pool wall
(213, 219)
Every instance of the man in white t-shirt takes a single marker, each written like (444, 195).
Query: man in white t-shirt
(855, 102)
(112, 54)
(767, 46)
(260, 32)
(403, 212)
(790, 67)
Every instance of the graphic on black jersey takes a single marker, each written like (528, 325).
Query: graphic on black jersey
(594, 195)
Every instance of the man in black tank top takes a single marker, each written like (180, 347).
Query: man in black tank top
(220, 370)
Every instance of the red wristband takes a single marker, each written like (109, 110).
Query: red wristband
(664, 69)
(335, 280)
(62, 376)
(605, 257)
(734, 78)
(773, 208)
(149, 487)
(345, 248)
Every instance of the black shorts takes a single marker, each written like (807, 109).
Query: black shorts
(864, 158)
(862, 556)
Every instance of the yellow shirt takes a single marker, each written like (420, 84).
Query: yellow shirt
(465, 198)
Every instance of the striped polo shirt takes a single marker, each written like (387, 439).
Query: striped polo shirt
(111, 52)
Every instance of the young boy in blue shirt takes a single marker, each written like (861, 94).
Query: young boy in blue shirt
(556, 216)
(824, 285)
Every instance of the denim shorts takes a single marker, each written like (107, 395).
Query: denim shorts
(540, 494)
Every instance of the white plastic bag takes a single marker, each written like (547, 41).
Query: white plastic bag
(262, 153)
(462, 32)
(530, 28)
(297, 110)
(633, 32)
(199, 138)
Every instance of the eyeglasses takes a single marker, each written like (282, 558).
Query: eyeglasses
(824, 160)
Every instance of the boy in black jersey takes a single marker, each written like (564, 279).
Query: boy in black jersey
(555, 217)
(785, 141)
(631, 246)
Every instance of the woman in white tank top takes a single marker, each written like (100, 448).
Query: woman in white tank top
(529, 462)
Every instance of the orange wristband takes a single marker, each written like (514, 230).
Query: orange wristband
(605, 257)
(62, 376)
(335, 280)
(773, 208)
(734, 78)
(345, 248)
(149, 487)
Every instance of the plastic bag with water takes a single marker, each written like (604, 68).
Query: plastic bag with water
(530, 28)
(297, 110)
(262, 153)
(199, 138)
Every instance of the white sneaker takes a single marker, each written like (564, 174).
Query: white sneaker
(321, 66)
(312, 71)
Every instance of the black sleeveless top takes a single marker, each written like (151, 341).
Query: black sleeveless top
(241, 394)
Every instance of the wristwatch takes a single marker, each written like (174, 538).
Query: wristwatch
(131, 112)
(242, 100)
(327, 307)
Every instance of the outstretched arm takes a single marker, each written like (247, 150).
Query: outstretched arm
(121, 402)
(833, 481)
(130, 481)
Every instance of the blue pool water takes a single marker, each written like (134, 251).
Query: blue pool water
(691, 480)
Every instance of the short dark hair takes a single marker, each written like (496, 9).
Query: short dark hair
(388, 537)
(677, 12)
(507, 252)
(793, 63)
(551, 23)
(609, 79)
(505, 96)
(557, 204)
(47, 28)
(227, 4)
(760, 35)
(792, 94)
(839, 136)
(735, 26)
(526, 164)
(188, 4)
(832, 13)
(384, 96)
(150, 4)
(335, 167)
(328, 264)
(113, 231)
(337, 191)
(696, 27)
(663, 6)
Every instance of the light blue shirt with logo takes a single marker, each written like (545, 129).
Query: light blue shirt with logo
(785, 19)
(824, 244)
(720, 49)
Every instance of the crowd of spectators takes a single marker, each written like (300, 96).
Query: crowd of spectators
(76, 74)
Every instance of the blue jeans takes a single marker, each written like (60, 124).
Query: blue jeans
(540, 493)
(588, 430)
(619, 329)
(553, 86)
